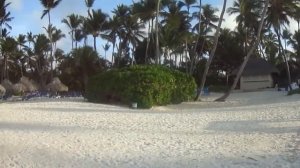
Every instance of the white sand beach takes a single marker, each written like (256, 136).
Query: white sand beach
(254, 129)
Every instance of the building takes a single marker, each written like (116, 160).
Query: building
(258, 74)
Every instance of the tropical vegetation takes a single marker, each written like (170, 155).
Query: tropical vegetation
(183, 35)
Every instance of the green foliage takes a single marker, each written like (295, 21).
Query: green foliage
(292, 92)
(146, 85)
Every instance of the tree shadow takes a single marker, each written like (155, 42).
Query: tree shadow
(254, 126)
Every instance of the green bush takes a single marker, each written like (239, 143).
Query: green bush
(296, 91)
(146, 85)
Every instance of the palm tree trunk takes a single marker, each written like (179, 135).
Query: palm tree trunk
(95, 47)
(198, 38)
(148, 42)
(72, 34)
(113, 54)
(212, 54)
(186, 56)
(282, 53)
(5, 67)
(49, 18)
(156, 33)
(237, 78)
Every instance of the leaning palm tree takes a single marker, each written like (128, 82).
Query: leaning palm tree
(278, 15)
(49, 5)
(254, 46)
(212, 53)
(73, 22)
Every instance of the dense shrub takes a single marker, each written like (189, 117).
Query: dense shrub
(296, 91)
(146, 85)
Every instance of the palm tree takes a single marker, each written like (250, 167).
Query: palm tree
(8, 47)
(106, 48)
(21, 40)
(247, 16)
(19, 59)
(278, 15)
(254, 46)
(132, 33)
(112, 34)
(175, 29)
(49, 5)
(89, 4)
(212, 53)
(4, 15)
(271, 47)
(157, 33)
(73, 22)
(78, 36)
(286, 36)
(86, 60)
(96, 23)
(146, 11)
(30, 38)
(41, 46)
(295, 42)
(207, 20)
(54, 36)
(297, 15)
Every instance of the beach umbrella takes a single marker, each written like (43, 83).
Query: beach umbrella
(2, 91)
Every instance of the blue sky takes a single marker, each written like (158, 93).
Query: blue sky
(27, 16)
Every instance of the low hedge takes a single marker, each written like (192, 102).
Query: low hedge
(146, 85)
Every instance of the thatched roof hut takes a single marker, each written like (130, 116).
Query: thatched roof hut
(57, 86)
(29, 84)
(2, 91)
(7, 85)
(257, 75)
(257, 67)
(19, 89)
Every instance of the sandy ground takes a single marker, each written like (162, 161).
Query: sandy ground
(256, 129)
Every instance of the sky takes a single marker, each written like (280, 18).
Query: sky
(27, 16)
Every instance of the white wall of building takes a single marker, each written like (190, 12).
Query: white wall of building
(256, 82)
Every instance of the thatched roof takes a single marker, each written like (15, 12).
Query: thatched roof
(7, 85)
(19, 88)
(257, 67)
(57, 86)
(2, 91)
(30, 85)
